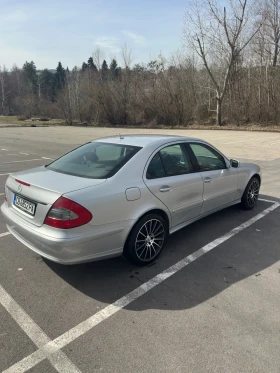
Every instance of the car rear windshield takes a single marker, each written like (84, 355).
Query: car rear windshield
(95, 160)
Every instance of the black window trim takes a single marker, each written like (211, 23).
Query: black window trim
(194, 159)
(157, 151)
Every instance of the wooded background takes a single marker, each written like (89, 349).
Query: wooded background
(228, 72)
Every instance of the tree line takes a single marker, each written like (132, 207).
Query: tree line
(228, 72)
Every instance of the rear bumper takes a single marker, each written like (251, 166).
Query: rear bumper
(101, 244)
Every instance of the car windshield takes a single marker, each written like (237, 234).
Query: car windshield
(95, 160)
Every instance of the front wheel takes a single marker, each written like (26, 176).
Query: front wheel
(146, 240)
(251, 194)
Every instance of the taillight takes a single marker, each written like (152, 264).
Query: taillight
(5, 198)
(65, 214)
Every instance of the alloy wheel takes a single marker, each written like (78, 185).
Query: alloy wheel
(253, 193)
(150, 240)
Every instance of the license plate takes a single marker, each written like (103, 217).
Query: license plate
(24, 205)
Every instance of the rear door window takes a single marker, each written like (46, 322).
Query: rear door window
(155, 169)
(175, 160)
(170, 161)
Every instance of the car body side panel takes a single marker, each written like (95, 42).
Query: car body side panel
(221, 190)
(184, 199)
(245, 172)
(109, 204)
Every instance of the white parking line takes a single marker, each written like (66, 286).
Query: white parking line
(59, 360)
(4, 174)
(5, 150)
(58, 343)
(267, 200)
(47, 158)
(24, 153)
(4, 234)
(24, 160)
(1, 194)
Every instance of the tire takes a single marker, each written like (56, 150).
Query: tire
(146, 240)
(251, 194)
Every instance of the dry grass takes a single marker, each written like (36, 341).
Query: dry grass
(7, 121)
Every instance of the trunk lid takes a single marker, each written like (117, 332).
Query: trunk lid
(43, 188)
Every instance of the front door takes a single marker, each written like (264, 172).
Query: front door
(170, 177)
(220, 182)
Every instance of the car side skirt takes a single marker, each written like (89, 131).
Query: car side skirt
(180, 226)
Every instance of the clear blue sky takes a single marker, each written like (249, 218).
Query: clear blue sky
(69, 30)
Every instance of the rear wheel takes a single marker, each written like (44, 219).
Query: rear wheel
(146, 240)
(251, 194)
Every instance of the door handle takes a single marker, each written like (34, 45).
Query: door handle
(165, 188)
(208, 180)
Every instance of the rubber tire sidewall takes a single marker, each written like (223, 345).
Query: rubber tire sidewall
(129, 249)
(244, 200)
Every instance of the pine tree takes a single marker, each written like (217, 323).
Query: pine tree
(139, 68)
(46, 79)
(104, 70)
(114, 69)
(59, 78)
(84, 66)
(30, 76)
(91, 64)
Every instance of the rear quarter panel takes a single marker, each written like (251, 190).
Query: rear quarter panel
(109, 205)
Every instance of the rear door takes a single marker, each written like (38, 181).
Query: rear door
(220, 182)
(171, 178)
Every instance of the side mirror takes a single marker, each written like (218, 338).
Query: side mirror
(234, 163)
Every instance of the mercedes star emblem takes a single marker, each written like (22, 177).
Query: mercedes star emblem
(19, 188)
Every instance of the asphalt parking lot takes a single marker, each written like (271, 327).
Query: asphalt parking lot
(210, 303)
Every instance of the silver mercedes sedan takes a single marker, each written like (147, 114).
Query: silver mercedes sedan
(123, 195)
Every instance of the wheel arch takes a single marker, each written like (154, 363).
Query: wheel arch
(160, 212)
(258, 177)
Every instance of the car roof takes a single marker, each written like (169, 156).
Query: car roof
(143, 140)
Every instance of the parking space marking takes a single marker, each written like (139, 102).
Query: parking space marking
(24, 160)
(59, 360)
(47, 158)
(4, 234)
(5, 150)
(267, 200)
(23, 153)
(58, 343)
(4, 174)
(1, 194)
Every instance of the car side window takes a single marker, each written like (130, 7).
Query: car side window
(155, 169)
(176, 160)
(172, 160)
(208, 159)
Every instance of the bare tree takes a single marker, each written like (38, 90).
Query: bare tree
(3, 89)
(218, 36)
(98, 57)
(270, 30)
